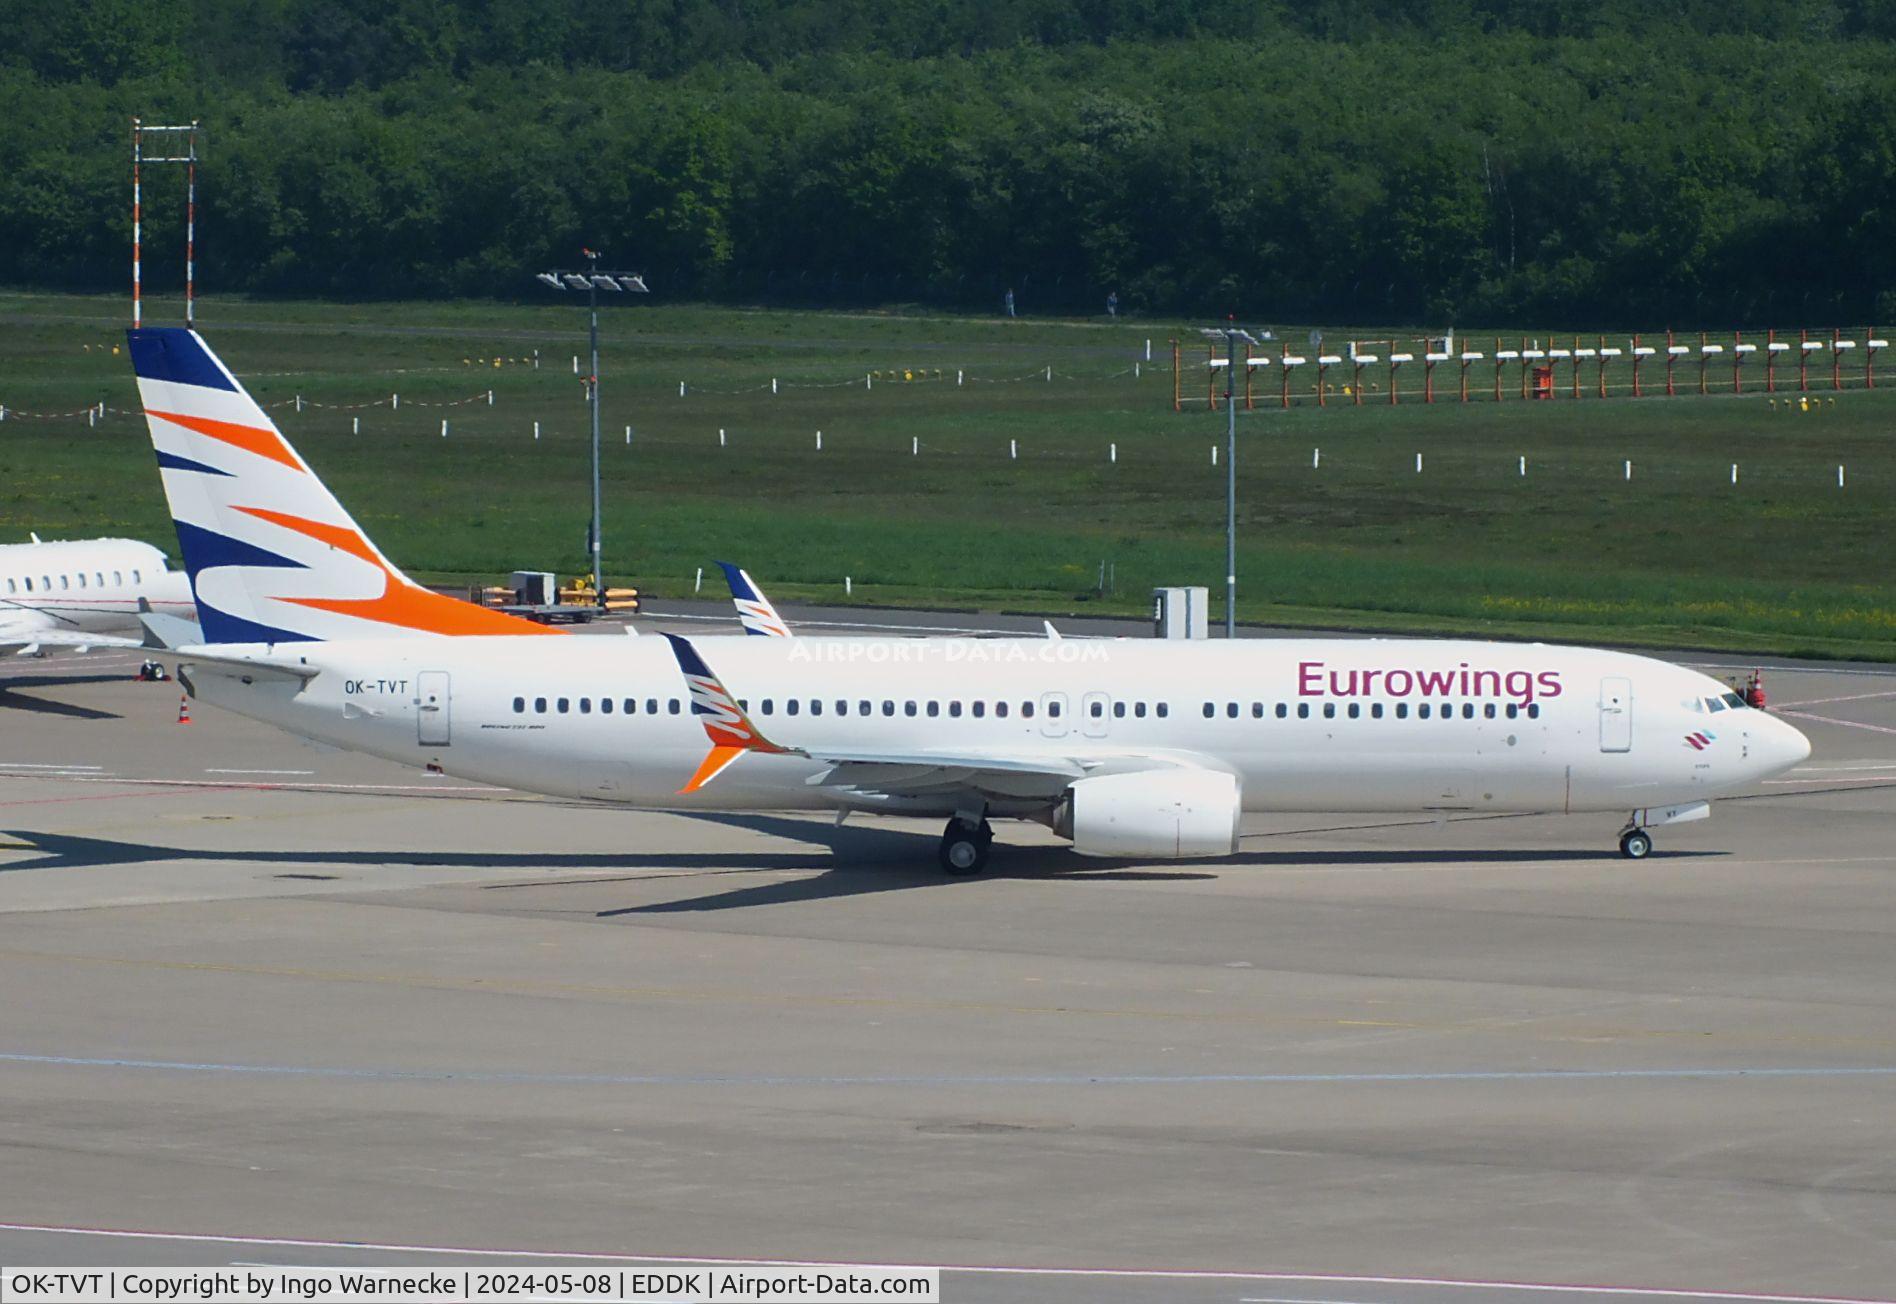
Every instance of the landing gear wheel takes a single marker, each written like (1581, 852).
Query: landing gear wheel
(1636, 844)
(964, 847)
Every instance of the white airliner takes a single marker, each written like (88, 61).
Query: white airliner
(84, 593)
(1130, 748)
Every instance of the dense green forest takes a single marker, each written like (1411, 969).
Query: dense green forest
(1676, 160)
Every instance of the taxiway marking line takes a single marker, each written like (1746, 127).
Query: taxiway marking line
(1848, 724)
(1154, 1274)
(510, 1077)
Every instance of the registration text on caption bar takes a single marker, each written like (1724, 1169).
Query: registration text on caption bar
(760, 1284)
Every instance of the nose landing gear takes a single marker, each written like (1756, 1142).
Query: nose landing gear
(964, 846)
(1635, 844)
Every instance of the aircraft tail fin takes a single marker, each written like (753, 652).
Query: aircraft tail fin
(753, 608)
(272, 556)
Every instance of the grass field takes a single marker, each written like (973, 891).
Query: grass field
(1783, 561)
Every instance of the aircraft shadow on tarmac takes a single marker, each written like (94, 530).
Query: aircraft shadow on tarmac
(855, 861)
(12, 699)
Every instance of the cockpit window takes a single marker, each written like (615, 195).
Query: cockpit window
(1717, 704)
(1733, 700)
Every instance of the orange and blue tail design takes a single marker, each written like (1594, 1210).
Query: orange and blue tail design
(272, 556)
(725, 722)
(753, 608)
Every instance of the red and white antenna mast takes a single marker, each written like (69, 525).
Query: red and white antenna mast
(151, 144)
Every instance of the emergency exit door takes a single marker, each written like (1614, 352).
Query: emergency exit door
(1616, 715)
(431, 708)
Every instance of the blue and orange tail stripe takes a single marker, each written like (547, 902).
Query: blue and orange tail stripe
(272, 556)
(726, 724)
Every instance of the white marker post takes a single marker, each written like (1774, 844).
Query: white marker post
(1112, 452)
(720, 436)
(915, 445)
(1734, 473)
(444, 427)
(355, 425)
(819, 441)
(849, 585)
(1629, 469)
(1049, 373)
(681, 389)
(1316, 458)
(1418, 464)
(1840, 476)
(395, 402)
(1523, 465)
(299, 402)
(1013, 449)
(1214, 454)
(628, 436)
(957, 378)
(773, 384)
(536, 430)
(490, 398)
(698, 583)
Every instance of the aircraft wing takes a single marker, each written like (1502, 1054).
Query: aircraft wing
(29, 629)
(896, 773)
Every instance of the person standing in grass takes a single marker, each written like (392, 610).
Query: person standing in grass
(1112, 303)
(1007, 301)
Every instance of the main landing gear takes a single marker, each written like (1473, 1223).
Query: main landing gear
(1635, 844)
(964, 846)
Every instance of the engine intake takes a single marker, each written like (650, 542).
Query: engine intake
(1162, 814)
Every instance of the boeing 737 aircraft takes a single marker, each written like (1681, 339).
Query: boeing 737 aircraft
(84, 593)
(1130, 748)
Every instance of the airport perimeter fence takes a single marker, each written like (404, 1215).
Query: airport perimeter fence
(1447, 369)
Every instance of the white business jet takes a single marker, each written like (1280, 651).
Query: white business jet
(84, 593)
(1130, 748)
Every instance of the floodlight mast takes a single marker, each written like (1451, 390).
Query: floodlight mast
(1232, 336)
(592, 280)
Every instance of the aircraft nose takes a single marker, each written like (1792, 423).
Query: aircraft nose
(1785, 746)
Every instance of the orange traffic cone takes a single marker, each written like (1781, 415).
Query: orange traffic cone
(184, 708)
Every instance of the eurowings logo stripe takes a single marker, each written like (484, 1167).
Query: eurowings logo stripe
(1699, 741)
(728, 728)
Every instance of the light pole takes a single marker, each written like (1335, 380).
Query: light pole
(1232, 337)
(592, 280)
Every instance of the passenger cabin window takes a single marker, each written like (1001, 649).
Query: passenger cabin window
(673, 706)
(908, 708)
(770, 706)
(980, 709)
(888, 707)
(1026, 710)
(1053, 710)
(1119, 710)
(520, 706)
(1375, 710)
(934, 709)
(585, 706)
(1329, 710)
(98, 579)
(1282, 710)
(1533, 710)
(1164, 709)
(1303, 710)
(790, 706)
(862, 708)
(63, 583)
(137, 578)
(1231, 710)
(954, 710)
(82, 579)
(539, 705)
(1210, 710)
(1422, 711)
(1139, 710)
(118, 577)
(11, 588)
(1355, 710)
(1000, 710)
(1402, 710)
(563, 704)
(605, 706)
(651, 706)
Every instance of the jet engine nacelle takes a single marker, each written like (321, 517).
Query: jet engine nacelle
(1164, 814)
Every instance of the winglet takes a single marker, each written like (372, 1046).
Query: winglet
(753, 608)
(725, 722)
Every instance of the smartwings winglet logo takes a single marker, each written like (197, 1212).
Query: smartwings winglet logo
(1699, 741)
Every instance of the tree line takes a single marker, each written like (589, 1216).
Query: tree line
(1472, 160)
